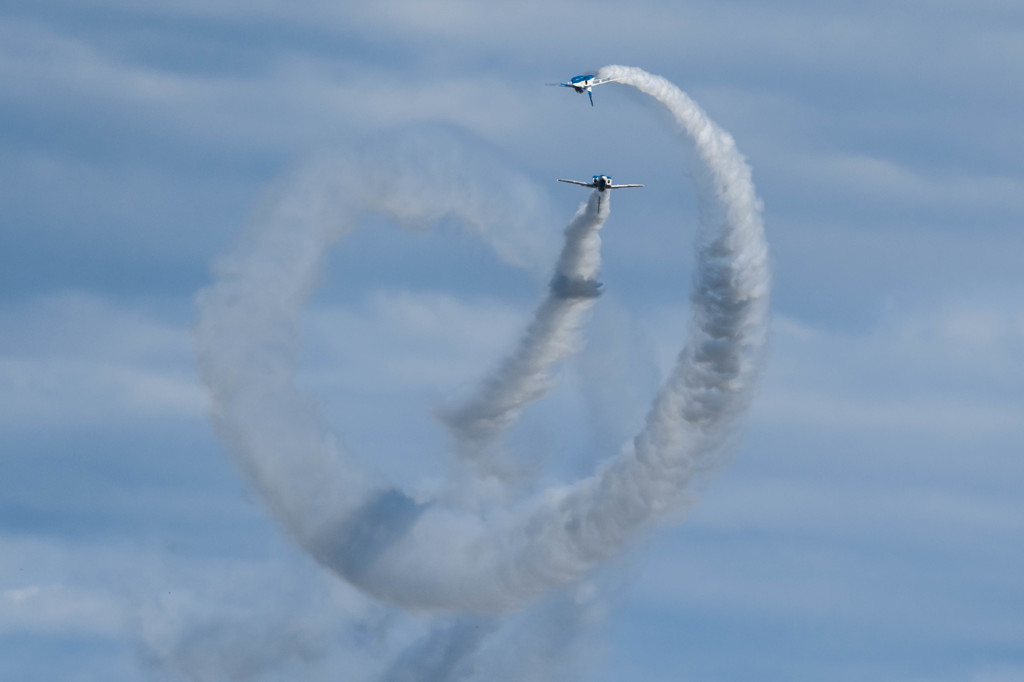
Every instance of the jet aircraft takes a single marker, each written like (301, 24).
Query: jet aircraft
(584, 83)
(600, 183)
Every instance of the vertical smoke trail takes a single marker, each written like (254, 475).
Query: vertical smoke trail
(247, 345)
(525, 376)
(445, 654)
(714, 374)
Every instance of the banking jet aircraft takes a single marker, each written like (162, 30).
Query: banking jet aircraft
(600, 183)
(584, 84)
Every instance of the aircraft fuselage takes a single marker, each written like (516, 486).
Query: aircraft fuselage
(581, 83)
(599, 182)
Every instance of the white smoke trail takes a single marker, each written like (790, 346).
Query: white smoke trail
(246, 335)
(714, 375)
(424, 555)
(446, 654)
(525, 376)
(534, 644)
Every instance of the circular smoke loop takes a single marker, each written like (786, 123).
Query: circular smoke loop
(434, 554)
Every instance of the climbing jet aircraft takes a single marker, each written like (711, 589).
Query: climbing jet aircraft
(584, 84)
(600, 183)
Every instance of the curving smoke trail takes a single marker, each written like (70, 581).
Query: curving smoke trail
(525, 375)
(424, 554)
(246, 338)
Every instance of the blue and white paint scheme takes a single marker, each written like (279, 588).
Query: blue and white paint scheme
(600, 183)
(584, 83)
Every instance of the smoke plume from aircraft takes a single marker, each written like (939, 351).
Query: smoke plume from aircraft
(552, 336)
(432, 554)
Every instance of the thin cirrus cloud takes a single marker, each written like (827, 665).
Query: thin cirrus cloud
(76, 360)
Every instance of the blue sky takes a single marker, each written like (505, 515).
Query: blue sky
(868, 526)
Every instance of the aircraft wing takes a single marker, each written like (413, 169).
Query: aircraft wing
(621, 186)
(602, 81)
(577, 182)
(564, 85)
